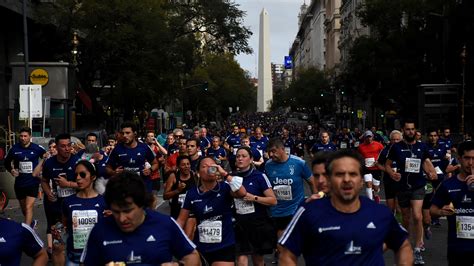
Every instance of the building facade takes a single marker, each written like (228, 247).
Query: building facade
(351, 27)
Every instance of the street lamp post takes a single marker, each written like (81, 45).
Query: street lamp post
(463, 93)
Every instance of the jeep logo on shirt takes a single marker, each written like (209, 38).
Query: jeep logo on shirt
(281, 181)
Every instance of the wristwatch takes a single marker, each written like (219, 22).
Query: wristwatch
(256, 198)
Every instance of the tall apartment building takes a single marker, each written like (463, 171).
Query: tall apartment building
(308, 49)
(316, 43)
(351, 27)
(332, 24)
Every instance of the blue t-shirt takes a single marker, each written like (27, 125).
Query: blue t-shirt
(289, 144)
(287, 181)
(326, 236)
(255, 182)
(455, 191)
(213, 211)
(132, 159)
(447, 143)
(412, 155)
(157, 240)
(15, 239)
(204, 142)
(318, 146)
(234, 142)
(51, 170)
(216, 153)
(259, 144)
(82, 214)
(438, 158)
(25, 160)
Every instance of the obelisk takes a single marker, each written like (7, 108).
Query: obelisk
(265, 86)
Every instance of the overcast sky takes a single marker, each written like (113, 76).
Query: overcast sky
(283, 28)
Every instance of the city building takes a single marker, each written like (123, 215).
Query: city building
(308, 49)
(351, 27)
(332, 25)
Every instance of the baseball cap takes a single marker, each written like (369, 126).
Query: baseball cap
(368, 133)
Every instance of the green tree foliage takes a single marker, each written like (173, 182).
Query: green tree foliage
(142, 50)
(411, 42)
(305, 92)
(228, 86)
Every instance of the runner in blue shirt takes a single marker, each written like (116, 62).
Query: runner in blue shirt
(25, 157)
(256, 156)
(413, 159)
(288, 141)
(134, 234)
(260, 142)
(232, 142)
(81, 211)
(344, 229)
(132, 155)
(391, 187)
(18, 238)
(211, 203)
(323, 145)
(454, 198)
(254, 230)
(286, 174)
(216, 151)
(58, 182)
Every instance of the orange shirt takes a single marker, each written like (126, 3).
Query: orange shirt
(370, 152)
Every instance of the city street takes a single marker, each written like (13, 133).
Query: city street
(435, 253)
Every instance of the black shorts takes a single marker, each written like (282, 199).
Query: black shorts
(376, 174)
(226, 254)
(460, 259)
(23, 192)
(53, 213)
(255, 236)
(281, 222)
(428, 196)
(391, 187)
(404, 197)
(155, 184)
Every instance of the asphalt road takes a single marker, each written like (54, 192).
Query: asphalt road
(435, 253)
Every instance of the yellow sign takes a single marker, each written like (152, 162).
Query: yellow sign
(39, 76)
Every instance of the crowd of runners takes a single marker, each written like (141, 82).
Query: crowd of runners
(238, 193)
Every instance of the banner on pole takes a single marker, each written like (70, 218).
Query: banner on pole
(31, 99)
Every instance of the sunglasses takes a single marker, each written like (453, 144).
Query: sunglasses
(81, 174)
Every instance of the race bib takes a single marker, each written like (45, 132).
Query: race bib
(26, 167)
(465, 227)
(287, 150)
(369, 162)
(283, 192)
(181, 198)
(210, 232)
(412, 165)
(356, 144)
(244, 207)
(343, 145)
(200, 153)
(82, 223)
(438, 170)
(65, 192)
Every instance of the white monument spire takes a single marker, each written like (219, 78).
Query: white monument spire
(265, 86)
